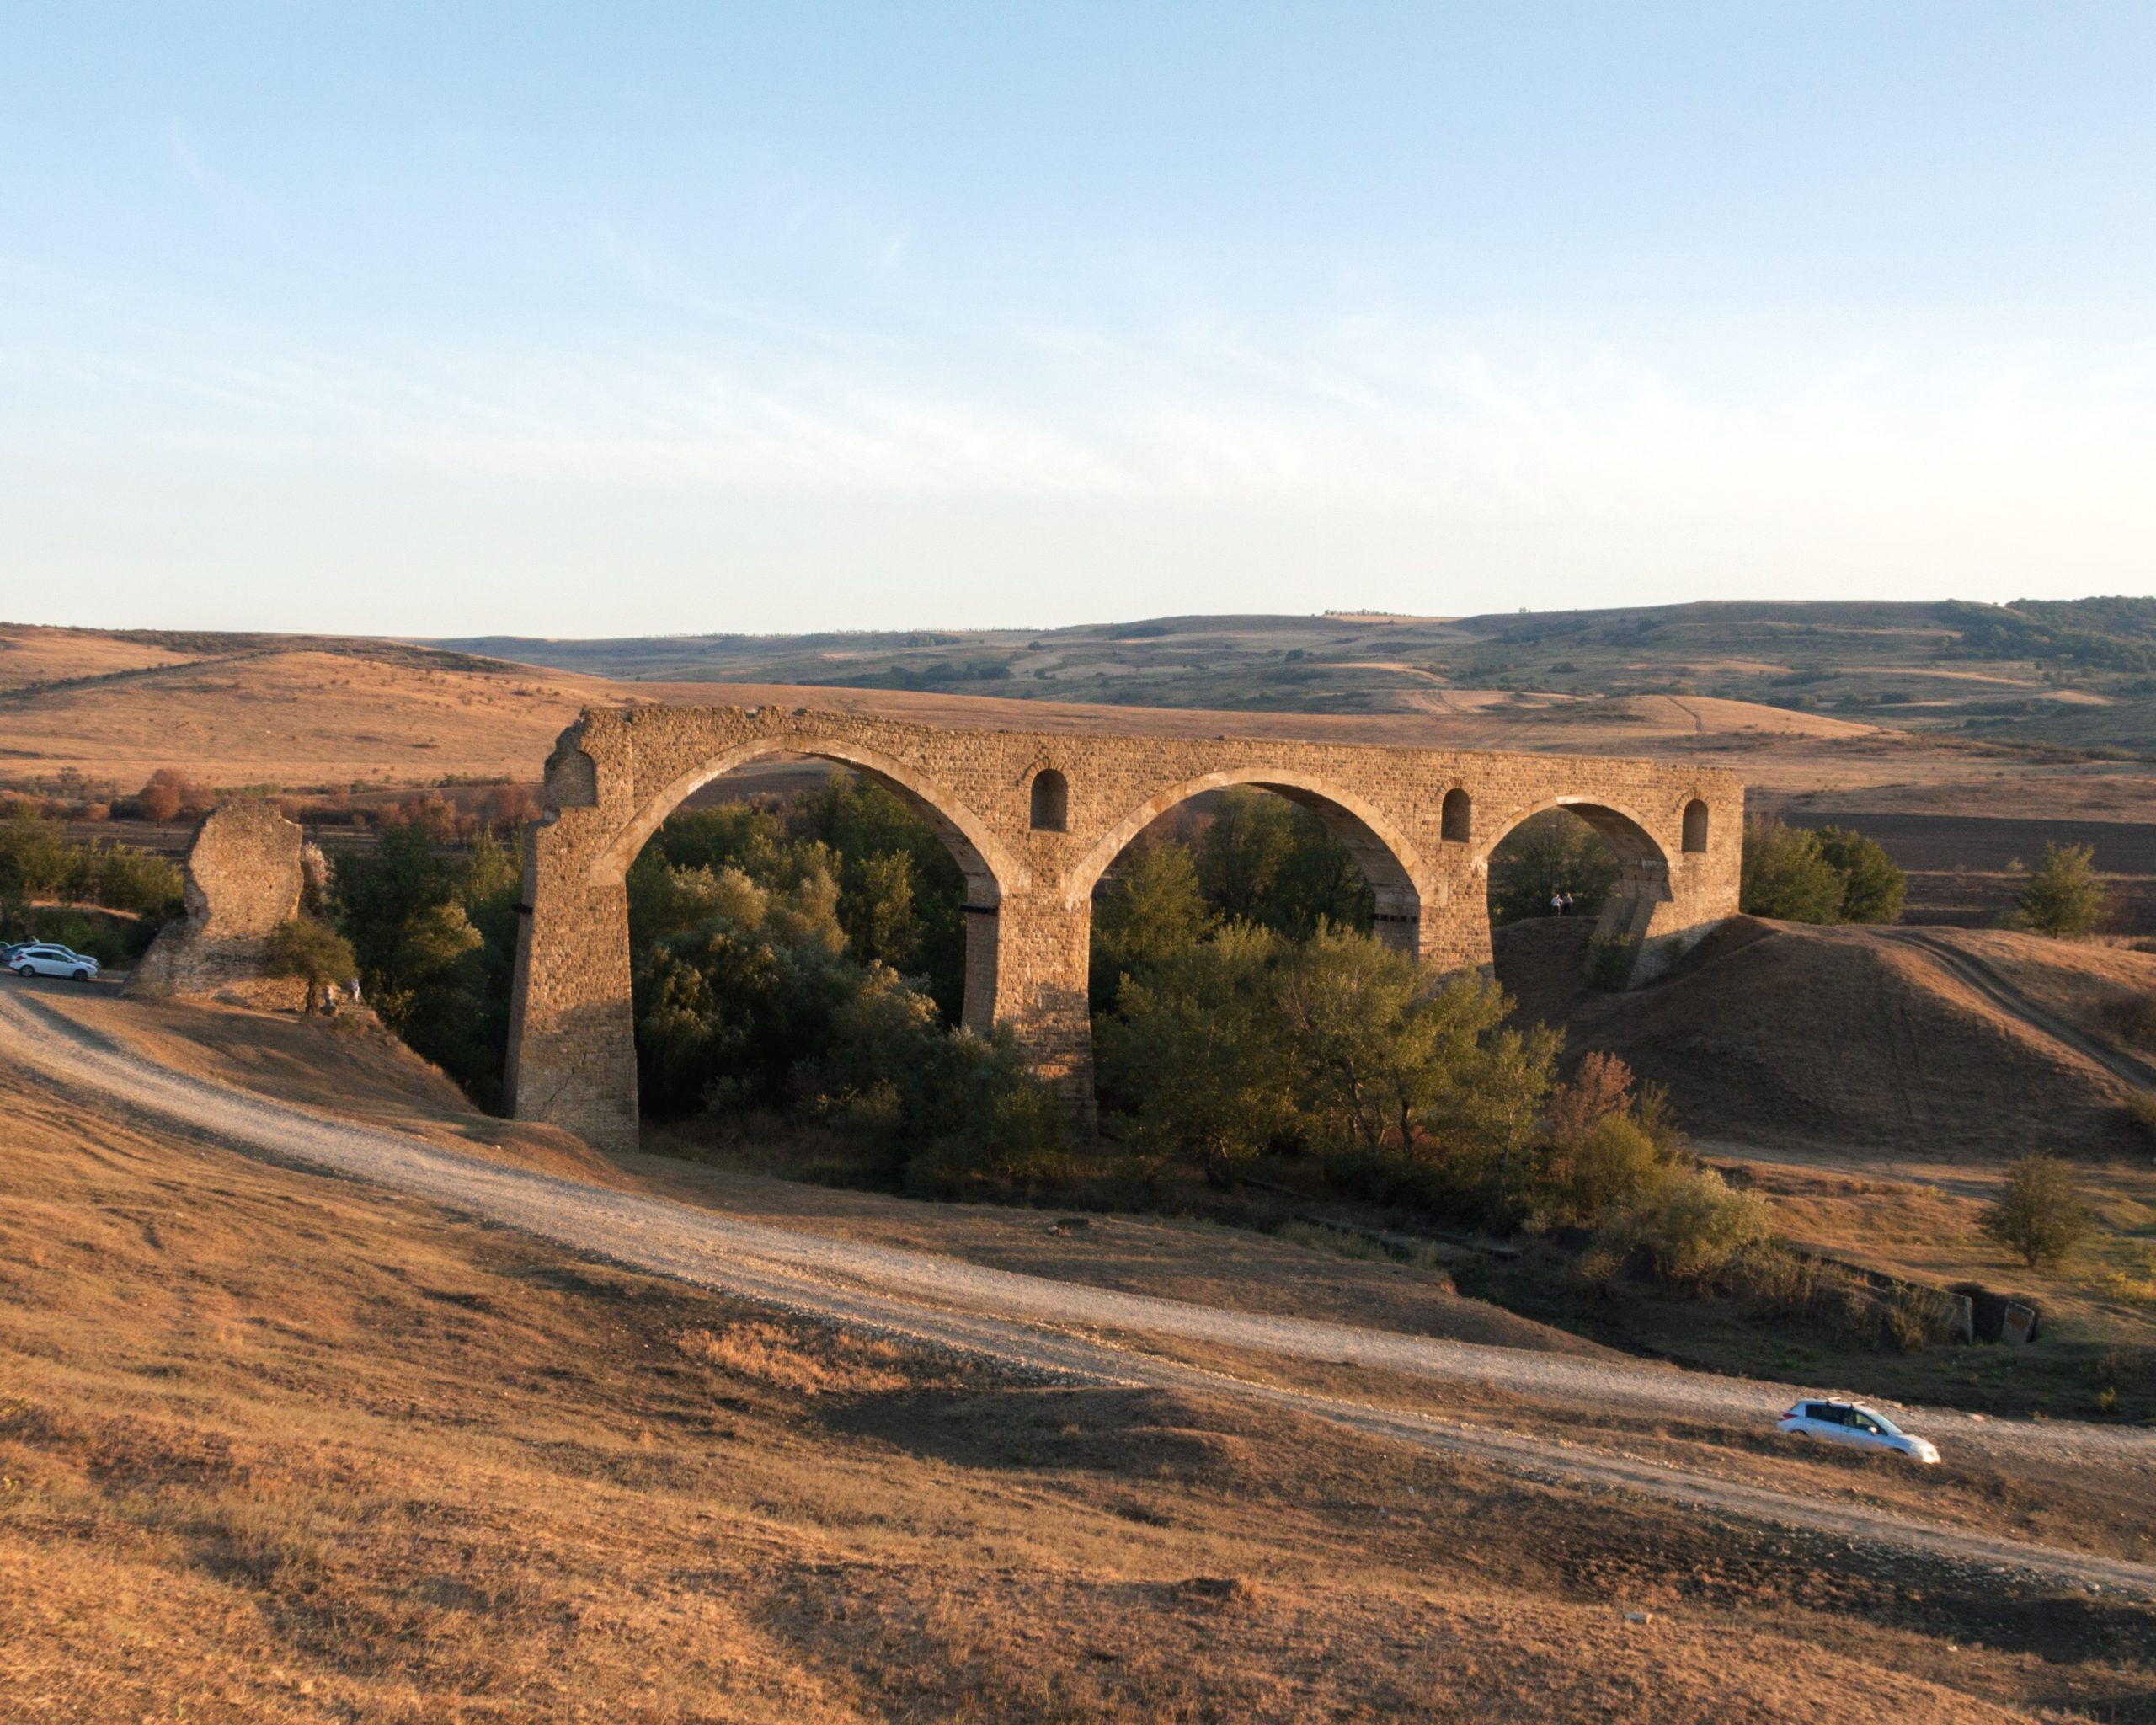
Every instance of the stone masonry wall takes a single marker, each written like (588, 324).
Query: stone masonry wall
(616, 774)
(243, 878)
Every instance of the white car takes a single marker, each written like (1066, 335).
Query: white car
(53, 961)
(1860, 1427)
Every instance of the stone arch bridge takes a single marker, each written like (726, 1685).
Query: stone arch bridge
(1034, 819)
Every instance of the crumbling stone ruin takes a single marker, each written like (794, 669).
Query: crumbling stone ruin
(1035, 818)
(245, 874)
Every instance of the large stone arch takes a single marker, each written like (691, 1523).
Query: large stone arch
(1420, 821)
(1650, 875)
(981, 857)
(1403, 885)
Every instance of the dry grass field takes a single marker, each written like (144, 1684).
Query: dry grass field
(275, 1447)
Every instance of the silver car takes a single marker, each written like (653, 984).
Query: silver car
(53, 961)
(1856, 1425)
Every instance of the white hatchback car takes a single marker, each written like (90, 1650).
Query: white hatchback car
(53, 961)
(1860, 1427)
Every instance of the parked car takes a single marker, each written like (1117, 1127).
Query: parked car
(52, 961)
(1857, 1426)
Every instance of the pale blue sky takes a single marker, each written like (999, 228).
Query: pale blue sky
(622, 318)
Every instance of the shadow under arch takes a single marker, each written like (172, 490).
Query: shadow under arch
(1643, 865)
(990, 871)
(1401, 883)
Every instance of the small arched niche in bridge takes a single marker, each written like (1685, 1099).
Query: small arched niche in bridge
(1456, 817)
(1051, 801)
(1696, 826)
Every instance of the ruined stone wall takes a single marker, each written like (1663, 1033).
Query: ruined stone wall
(616, 774)
(244, 877)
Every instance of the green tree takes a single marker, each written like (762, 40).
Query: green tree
(313, 952)
(1150, 909)
(962, 1110)
(1873, 888)
(434, 940)
(1356, 1014)
(1614, 1161)
(2063, 896)
(2040, 1213)
(1549, 853)
(34, 855)
(1266, 860)
(1786, 875)
(1242, 851)
(1196, 1046)
(734, 981)
(901, 892)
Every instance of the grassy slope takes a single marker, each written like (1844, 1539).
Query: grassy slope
(277, 1448)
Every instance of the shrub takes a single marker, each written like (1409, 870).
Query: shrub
(1601, 1086)
(1610, 964)
(2041, 1214)
(2140, 1113)
(1692, 1225)
(314, 952)
(1152, 909)
(166, 797)
(1786, 874)
(1196, 1046)
(2063, 896)
(1873, 889)
(1613, 1163)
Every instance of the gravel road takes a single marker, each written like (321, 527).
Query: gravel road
(1053, 1326)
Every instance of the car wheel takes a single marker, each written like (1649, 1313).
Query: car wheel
(82, 976)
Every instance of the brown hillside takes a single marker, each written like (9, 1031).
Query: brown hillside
(1776, 1033)
(304, 712)
(279, 1448)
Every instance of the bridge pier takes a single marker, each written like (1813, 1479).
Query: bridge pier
(1043, 957)
(572, 1030)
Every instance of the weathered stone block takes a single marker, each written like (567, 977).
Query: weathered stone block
(244, 877)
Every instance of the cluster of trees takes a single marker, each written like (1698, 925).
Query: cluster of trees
(1804, 874)
(1258, 861)
(1232, 1034)
(42, 872)
(809, 956)
(1386, 1079)
(432, 938)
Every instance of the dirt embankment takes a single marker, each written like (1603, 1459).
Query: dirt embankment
(1777, 1034)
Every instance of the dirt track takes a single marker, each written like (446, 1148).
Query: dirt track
(1053, 1326)
(1967, 968)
